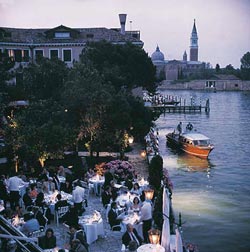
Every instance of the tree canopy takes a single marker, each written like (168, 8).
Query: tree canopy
(88, 106)
(245, 66)
(122, 65)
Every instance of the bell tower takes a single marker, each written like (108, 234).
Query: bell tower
(194, 44)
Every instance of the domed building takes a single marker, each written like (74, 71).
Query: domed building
(178, 69)
(157, 56)
(158, 60)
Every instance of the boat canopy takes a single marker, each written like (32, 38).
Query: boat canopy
(195, 136)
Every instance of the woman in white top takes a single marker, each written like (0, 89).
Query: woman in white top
(136, 206)
(136, 189)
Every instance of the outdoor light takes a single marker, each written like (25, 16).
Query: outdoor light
(149, 193)
(143, 153)
(154, 236)
(131, 139)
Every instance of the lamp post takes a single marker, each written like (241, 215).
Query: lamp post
(131, 139)
(143, 153)
(149, 193)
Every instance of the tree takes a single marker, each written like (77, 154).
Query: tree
(217, 68)
(103, 118)
(229, 68)
(6, 73)
(40, 130)
(245, 66)
(156, 172)
(86, 98)
(44, 79)
(122, 65)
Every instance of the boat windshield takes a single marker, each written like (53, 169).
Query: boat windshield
(204, 142)
(201, 142)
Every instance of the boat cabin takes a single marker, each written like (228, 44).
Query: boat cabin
(195, 139)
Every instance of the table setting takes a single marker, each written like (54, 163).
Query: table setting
(125, 199)
(151, 248)
(17, 222)
(51, 199)
(97, 181)
(131, 217)
(92, 225)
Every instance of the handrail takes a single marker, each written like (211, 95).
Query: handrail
(23, 241)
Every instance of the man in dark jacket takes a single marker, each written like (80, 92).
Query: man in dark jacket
(131, 235)
(112, 217)
(60, 202)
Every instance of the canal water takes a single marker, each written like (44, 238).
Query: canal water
(212, 195)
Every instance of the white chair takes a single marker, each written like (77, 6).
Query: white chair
(37, 233)
(60, 212)
(107, 212)
(65, 231)
(86, 197)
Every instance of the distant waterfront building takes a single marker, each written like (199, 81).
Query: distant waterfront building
(178, 69)
(65, 43)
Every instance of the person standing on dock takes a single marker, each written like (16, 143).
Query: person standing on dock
(179, 127)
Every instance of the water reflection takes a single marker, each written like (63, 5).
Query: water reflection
(193, 164)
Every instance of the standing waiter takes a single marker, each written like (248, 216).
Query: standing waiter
(14, 184)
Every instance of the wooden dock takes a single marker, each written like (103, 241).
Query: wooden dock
(179, 109)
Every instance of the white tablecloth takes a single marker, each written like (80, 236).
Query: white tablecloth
(126, 199)
(151, 248)
(93, 229)
(131, 218)
(97, 183)
(51, 199)
(54, 250)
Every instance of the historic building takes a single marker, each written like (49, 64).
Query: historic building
(65, 43)
(177, 69)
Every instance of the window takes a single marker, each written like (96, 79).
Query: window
(90, 35)
(38, 54)
(25, 55)
(62, 35)
(67, 55)
(18, 55)
(54, 54)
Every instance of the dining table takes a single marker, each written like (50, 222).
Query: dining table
(151, 248)
(131, 217)
(54, 250)
(92, 225)
(51, 199)
(17, 222)
(143, 183)
(97, 182)
(126, 199)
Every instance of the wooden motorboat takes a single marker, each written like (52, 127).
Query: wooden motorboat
(191, 142)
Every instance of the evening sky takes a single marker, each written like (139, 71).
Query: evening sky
(223, 25)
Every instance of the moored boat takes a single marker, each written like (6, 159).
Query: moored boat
(191, 142)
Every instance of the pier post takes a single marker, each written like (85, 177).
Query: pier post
(207, 108)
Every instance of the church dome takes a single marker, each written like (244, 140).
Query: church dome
(157, 55)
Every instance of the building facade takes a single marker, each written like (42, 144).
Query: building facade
(64, 43)
(178, 69)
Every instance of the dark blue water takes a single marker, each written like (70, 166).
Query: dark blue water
(213, 195)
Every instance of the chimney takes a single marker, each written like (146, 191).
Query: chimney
(122, 18)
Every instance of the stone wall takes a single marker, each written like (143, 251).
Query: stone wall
(220, 85)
